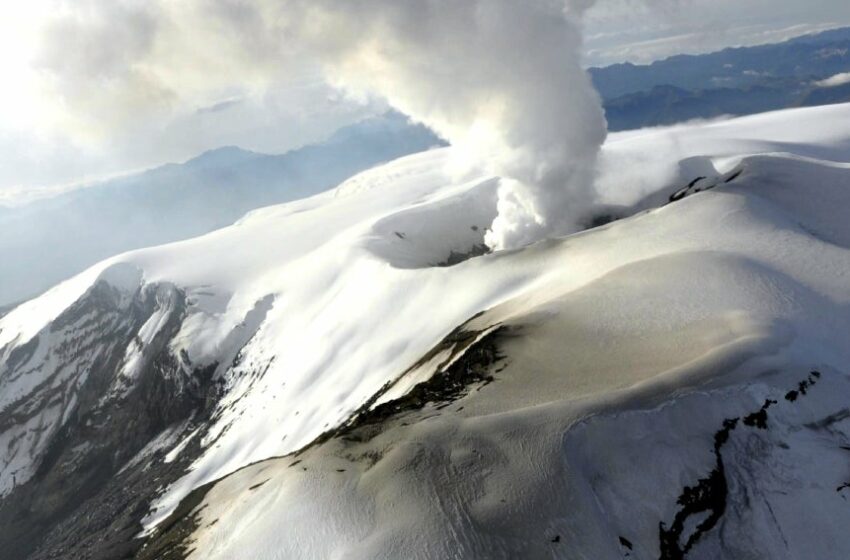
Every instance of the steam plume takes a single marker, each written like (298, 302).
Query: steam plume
(500, 79)
(497, 78)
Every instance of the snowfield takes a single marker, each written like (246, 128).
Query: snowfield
(627, 391)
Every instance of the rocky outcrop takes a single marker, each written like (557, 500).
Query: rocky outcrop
(106, 397)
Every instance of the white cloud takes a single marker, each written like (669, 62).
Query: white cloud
(98, 87)
(834, 81)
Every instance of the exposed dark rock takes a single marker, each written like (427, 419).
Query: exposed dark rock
(733, 176)
(470, 360)
(709, 496)
(472, 356)
(683, 192)
(171, 539)
(470, 363)
(759, 419)
(457, 257)
(701, 184)
(259, 484)
(80, 503)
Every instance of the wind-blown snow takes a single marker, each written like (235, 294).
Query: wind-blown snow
(310, 307)
(630, 170)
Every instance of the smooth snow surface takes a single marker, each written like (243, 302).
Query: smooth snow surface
(310, 307)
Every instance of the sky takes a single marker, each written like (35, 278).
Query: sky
(94, 88)
(640, 32)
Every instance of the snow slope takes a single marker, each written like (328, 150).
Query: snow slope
(620, 348)
(626, 361)
(46, 241)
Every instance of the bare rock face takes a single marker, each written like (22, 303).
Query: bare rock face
(81, 426)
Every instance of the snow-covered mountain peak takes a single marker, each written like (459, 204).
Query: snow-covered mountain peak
(240, 332)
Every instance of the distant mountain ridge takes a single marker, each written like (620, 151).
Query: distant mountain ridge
(51, 239)
(666, 104)
(812, 56)
(734, 81)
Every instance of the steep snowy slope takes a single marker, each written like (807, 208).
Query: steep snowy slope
(565, 400)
